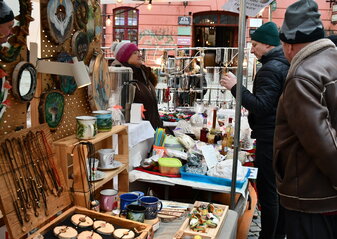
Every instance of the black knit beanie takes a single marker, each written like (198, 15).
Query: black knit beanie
(302, 23)
(267, 34)
(6, 14)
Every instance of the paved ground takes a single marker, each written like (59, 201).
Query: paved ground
(255, 227)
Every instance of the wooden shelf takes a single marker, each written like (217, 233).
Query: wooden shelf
(75, 172)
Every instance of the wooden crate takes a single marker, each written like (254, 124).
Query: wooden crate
(211, 233)
(144, 229)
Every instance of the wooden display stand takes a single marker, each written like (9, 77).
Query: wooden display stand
(74, 173)
(57, 203)
(211, 233)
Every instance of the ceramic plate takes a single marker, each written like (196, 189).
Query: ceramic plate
(116, 164)
(99, 175)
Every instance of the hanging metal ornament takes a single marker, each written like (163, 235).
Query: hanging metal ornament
(81, 14)
(60, 19)
(67, 84)
(80, 45)
(101, 86)
(51, 108)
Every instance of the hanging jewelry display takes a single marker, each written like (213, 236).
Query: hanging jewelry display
(24, 81)
(4, 88)
(80, 45)
(60, 19)
(101, 86)
(81, 14)
(67, 84)
(20, 32)
(32, 188)
(51, 108)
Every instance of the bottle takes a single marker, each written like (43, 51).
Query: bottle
(224, 144)
(204, 132)
(230, 133)
(212, 132)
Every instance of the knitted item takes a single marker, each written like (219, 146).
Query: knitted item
(6, 14)
(302, 23)
(267, 34)
(123, 50)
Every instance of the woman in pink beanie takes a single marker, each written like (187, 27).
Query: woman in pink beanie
(128, 55)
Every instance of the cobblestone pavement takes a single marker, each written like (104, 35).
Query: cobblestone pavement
(255, 227)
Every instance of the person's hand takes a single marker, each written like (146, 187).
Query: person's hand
(228, 80)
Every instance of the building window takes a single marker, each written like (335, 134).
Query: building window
(125, 24)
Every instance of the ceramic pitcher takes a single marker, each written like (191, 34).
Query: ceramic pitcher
(86, 127)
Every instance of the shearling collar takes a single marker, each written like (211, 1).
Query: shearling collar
(307, 51)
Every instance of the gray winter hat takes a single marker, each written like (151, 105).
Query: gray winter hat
(302, 23)
(6, 14)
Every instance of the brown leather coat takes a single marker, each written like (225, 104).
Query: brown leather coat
(305, 147)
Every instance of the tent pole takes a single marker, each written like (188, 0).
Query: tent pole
(242, 40)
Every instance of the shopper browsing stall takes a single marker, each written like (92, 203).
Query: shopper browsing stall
(127, 54)
(6, 22)
(262, 104)
(305, 135)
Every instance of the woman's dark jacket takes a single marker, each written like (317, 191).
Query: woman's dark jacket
(267, 89)
(146, 93)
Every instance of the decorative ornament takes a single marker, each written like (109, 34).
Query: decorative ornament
(51, 108)
(60, 19)
(67, 83)
(81, 14)
(80, 45)
(101, 86)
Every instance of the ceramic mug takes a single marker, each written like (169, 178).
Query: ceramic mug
(86, 127)
(109, 199)
(152, 204)
(126, 199)
(135, 212)
(104, 120)
(106, 157)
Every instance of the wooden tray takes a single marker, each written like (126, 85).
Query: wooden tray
(144, 229)
(211, 233)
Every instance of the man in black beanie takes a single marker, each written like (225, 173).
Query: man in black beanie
(261, 104)
(6, 21)
(305, 143)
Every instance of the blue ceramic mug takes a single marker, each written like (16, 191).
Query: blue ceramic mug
(104, 120)
(152, 204)
(126, 199)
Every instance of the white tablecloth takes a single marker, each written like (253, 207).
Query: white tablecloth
(141, 138)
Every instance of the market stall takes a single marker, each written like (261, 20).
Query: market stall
(80, 153)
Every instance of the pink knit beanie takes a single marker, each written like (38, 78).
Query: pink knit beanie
(123, 50)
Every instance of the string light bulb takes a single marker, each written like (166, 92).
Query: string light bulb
(149, 6)
(108, 21)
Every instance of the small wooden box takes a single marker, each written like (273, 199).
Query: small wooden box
(211, 233)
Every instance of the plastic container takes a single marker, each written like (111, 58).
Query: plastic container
(209, 179)
(169, 166)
